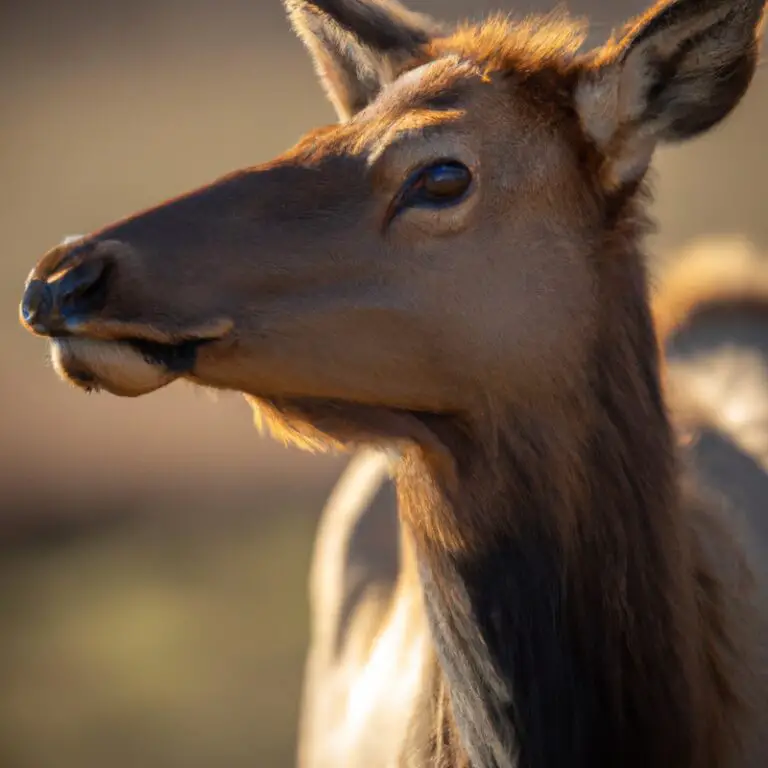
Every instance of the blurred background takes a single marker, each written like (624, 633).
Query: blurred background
(154, 552)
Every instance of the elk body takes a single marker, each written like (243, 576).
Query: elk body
(455, 271)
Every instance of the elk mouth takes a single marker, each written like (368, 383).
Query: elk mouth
(127, 366)
(175, 358)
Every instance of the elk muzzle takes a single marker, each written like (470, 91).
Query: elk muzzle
(63, 301)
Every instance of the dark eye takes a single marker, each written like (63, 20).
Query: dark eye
(438, 185)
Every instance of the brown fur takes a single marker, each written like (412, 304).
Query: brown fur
(562, 598)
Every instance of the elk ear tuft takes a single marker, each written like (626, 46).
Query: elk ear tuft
(358, 46)
(676, 72)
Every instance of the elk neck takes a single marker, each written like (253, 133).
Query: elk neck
(556, 567)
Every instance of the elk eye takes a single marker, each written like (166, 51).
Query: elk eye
(441, 184)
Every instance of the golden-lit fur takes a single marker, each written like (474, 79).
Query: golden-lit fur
(561, 592)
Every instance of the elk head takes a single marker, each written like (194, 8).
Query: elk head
(436, 250)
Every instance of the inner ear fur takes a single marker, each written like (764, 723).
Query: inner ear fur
(674, 73)
(358, 46)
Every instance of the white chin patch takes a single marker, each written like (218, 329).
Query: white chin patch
(112, 366)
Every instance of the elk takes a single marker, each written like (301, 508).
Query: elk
(455, 273)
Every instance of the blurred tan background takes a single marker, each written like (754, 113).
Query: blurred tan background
(153, 553)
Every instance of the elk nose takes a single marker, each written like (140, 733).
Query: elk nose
(47, 306)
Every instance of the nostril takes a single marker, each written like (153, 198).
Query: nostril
(37, 303)
(67, 286)
(84, 288)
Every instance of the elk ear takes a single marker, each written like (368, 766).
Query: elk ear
(676, 72)
(358, 46)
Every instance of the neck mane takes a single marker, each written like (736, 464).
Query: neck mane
(557, 570)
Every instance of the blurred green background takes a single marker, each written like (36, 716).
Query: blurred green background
(154, 553)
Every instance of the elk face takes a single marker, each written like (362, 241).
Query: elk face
(432, 250)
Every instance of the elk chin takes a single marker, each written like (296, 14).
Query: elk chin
(120, 368)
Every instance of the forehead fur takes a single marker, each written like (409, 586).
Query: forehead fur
(538, 51)
(501, 43)
(436, 85)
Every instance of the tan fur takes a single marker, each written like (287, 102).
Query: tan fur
(719, 272)
(716, 271)
(503, 346)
